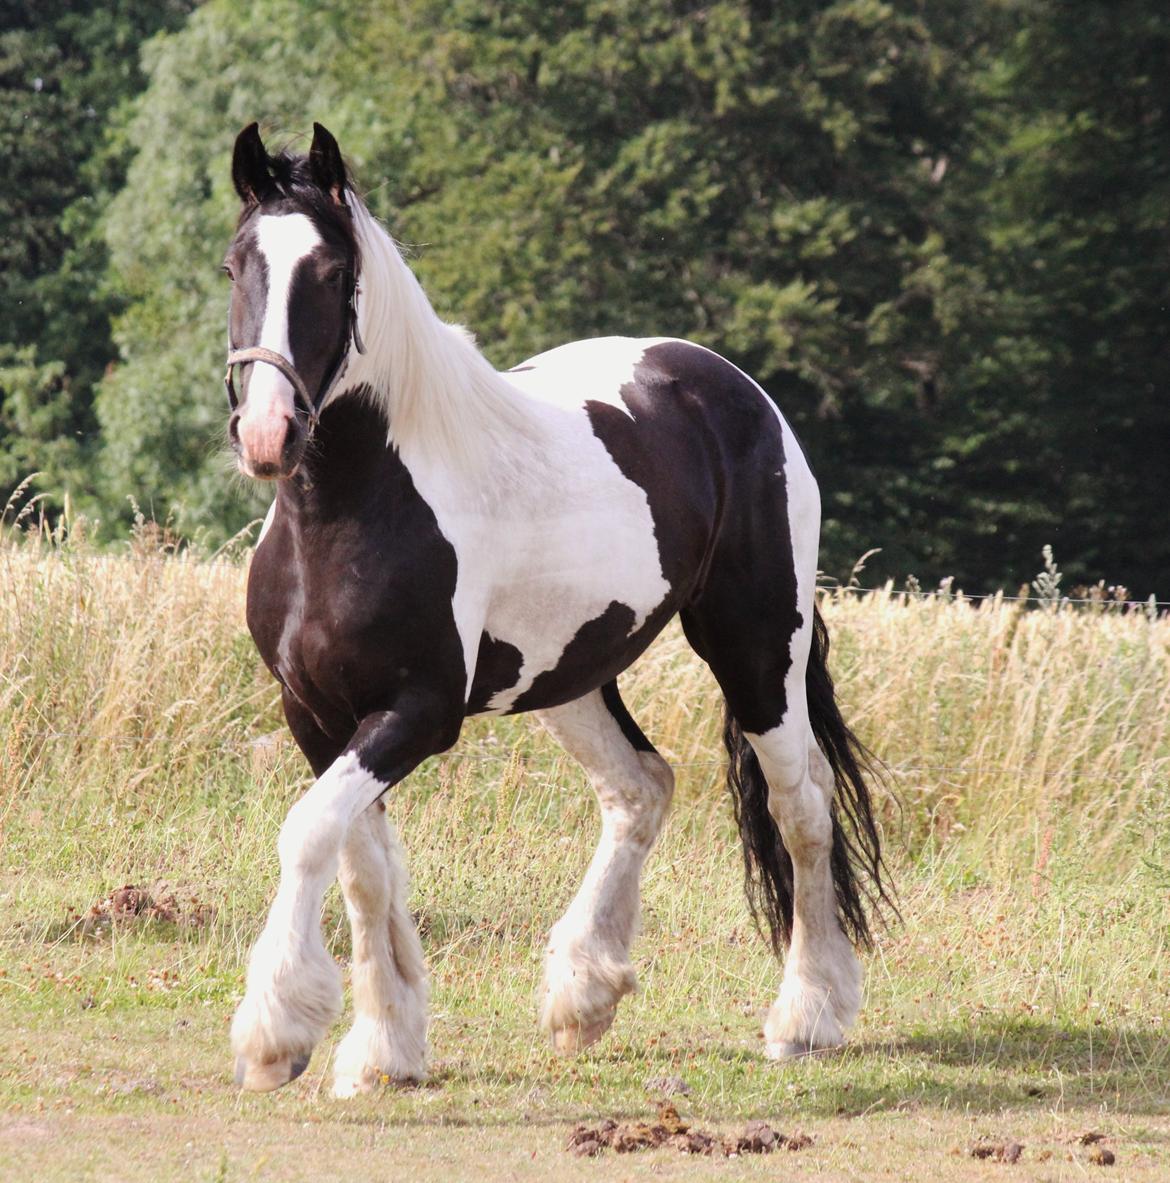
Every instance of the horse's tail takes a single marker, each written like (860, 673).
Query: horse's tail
(859, 873)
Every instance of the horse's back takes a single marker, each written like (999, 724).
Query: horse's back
(697, 435)
(680, 396)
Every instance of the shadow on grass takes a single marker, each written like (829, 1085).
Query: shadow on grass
(1012, 1062)
(987, 1066)
(1003, 1069)
(1005, 1072)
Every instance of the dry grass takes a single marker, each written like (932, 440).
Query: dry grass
(1012, 733)
(1026, 993)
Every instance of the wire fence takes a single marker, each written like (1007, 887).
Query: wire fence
(1100, 603)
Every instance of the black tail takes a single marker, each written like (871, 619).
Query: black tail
(859, 874)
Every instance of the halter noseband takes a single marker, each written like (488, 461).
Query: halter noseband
(258, 353)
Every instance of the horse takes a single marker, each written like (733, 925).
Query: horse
(449, 540)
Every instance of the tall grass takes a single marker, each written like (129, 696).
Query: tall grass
(131, 695)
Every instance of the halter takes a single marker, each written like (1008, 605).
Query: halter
(259, 353)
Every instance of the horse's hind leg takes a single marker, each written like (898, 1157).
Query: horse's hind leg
(785, 788)
(820, 993)
(389, 1035)
(755, 626)
(587, 970)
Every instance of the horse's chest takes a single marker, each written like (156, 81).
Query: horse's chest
(346, 633)
(304, 644)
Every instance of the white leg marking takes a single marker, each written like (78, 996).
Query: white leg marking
(294, 988)
(820, 994)
(587, 968)
(388, 1040)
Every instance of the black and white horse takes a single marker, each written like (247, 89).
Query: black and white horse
(448, 540)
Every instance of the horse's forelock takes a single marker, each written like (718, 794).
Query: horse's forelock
(295, 191)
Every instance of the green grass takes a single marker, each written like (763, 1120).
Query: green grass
(1026, 994)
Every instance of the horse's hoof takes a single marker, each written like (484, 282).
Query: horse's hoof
(568, 1041)
(263, 1078)
(784, 1049)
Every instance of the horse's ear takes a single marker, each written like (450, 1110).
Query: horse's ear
(250, 172)
(326, 165)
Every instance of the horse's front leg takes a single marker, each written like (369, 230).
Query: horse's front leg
(388, 1039)
(294, 988)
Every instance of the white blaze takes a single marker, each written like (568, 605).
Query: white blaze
(282, 240)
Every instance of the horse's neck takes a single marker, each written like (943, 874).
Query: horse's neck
(443, 403)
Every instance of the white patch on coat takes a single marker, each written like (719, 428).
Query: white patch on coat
(548, 552)
(282, 240)
(269, 518)
(593, 370)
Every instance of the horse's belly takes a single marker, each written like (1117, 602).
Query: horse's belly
(571, 603)
(561, 650)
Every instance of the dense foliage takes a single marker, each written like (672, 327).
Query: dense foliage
(937, 233)
(64, 69)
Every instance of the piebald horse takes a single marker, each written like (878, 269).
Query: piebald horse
(448, 540)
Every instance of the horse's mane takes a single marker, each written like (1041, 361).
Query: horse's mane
(443, 401)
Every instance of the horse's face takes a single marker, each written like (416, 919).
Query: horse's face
(293, 266)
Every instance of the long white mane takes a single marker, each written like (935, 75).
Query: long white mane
(444, 403)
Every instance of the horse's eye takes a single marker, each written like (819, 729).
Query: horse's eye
(228, 272)
(333, 278)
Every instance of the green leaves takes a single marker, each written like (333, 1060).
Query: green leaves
(64, 68)
(936, 233)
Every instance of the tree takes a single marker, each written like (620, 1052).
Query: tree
(758, 177)
(891, 215)
(1080, 218)
(161, 409)
(64, 67)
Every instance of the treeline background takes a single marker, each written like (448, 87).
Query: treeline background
(937, 231)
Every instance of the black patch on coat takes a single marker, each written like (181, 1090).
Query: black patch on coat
(659, 451)
(623, 718)
(709, 452)
(350, 593)
(497, 668)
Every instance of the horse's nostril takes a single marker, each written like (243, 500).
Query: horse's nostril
(234, 429)
(292, 436)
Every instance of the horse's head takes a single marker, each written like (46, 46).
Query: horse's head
(294, 265)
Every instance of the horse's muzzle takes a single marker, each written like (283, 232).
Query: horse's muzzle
(268, 447)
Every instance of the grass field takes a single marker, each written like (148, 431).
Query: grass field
(1025, 996)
